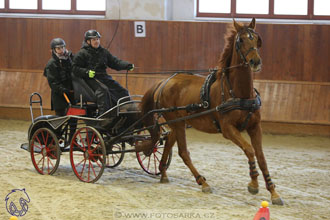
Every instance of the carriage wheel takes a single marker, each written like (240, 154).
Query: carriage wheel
(87, 154)
(114, 159)
(150, 162)
(45, 151)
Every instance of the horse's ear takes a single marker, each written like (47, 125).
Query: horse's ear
(252, 25)
(236, 25)
(259, 43)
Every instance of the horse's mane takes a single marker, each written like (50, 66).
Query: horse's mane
(227, 52)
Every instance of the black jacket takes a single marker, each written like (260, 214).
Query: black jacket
(58, 73)
(89, 58)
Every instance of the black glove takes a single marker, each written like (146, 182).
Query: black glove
(130, 67)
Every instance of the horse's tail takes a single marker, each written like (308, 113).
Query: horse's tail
(148, 104)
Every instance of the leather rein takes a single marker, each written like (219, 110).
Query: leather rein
(231, 104)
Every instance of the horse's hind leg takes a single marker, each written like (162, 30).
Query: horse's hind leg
(163, 162)
(256, 140)
(180, 132)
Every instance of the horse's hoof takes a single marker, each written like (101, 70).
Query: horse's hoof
(277, 201)
(206, 189)
(164, 180)
(253, 190)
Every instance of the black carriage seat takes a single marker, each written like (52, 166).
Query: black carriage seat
(84, 95)
(81, 89)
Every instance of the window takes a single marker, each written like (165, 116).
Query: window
(292, 7)
(321, 7)
(95, 7)
(2, 4)
(23, 4)
(56, 5)
(215, 6)
(88, 5)
(248, 7)
(295, 9)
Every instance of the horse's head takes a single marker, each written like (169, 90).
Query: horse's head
(247, 43)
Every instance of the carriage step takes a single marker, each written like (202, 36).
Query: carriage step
(25, 146)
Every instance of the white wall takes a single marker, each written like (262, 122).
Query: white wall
(136, 9)
(150, 9)
(182, 10)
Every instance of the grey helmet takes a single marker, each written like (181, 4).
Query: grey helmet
(57, 42)
(92, 34)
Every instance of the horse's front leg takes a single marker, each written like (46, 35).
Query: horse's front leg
(180, 132)
(232, 133)
(255, 134)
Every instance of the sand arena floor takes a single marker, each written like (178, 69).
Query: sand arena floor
(299, 166)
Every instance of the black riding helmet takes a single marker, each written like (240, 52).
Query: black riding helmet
(92, 34)
(57, 42)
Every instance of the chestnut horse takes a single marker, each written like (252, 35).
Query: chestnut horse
(234, 81)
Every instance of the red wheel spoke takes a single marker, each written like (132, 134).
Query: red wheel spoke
(115, 155)
(93, 169)
(42, 157)
(37, 146)
(50, 161)
(81, 141)
(100, 165)
(148, 163)
(48, 165)
(36, 155)
(83, 168)
(96, 147)
(80, 162)
(43, 163)
(113, 158)
(155, 163)
(89, 169)
(75, 143)
(39, 141)
(52, 155)
(50, 144)
(156, 157)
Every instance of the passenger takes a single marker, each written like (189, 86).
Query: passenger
(91, 62)
(58, 73)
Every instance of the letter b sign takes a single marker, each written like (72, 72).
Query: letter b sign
(140, 28)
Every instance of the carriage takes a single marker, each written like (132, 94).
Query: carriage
(223, 102)
(94, 142)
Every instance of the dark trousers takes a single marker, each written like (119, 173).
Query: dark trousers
(72, 125)
(107, 91)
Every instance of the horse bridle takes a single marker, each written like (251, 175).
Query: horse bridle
(243, 57)
(238, 43)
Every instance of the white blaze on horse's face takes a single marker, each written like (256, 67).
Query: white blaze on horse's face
(250, 43)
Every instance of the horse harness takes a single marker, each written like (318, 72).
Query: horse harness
(233, 103)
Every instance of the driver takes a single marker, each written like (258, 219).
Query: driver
(91, 62)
